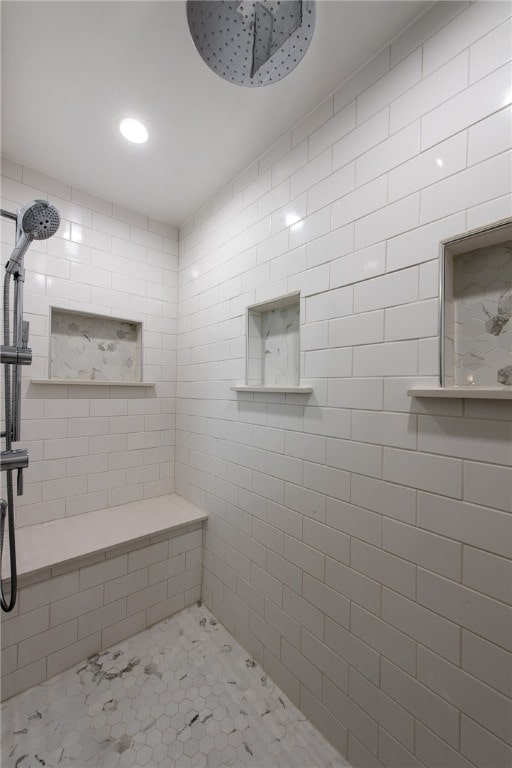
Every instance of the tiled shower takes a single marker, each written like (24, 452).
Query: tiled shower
(357, 550)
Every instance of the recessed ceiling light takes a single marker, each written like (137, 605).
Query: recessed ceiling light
(133, 130)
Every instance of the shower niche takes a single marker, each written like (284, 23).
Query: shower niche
(273, 346)
(88, 348)
(476, 315)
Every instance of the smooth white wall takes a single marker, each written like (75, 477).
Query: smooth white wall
(358, 541)
(93, 447)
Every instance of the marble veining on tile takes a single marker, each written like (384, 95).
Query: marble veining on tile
(91, 347)
(182, 693)
(280, 341)
(483, 316)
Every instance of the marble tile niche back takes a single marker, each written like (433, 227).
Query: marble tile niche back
(94, 347)
(273, 357)
(482, 314)
(180, 694)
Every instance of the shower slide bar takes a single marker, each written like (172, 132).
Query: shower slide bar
(37, 220)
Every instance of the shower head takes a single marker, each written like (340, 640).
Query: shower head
(37, 220)
(248, 42)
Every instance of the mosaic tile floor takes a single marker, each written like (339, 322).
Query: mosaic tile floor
(182, 693)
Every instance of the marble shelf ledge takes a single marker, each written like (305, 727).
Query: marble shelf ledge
(285, 390)
(481, 393)
(95, 383)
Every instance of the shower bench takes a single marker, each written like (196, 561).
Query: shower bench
(89, 581)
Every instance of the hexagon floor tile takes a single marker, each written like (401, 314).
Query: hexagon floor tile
(182, 693)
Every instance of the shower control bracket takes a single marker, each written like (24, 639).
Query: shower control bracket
(14, 459)
(16, 355)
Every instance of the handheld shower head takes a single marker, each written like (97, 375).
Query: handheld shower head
(37, 220)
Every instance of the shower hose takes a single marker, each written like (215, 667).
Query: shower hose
(7, 507)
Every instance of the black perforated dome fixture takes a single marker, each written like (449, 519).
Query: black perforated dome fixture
(251, 43)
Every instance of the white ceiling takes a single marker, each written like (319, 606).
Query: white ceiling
(71, 70)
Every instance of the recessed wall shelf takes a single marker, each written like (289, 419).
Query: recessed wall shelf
(87, 348)
(273, 347)
(476, 393)
(476, 314)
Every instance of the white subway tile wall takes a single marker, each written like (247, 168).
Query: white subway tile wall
(95, 447)
(68, 613)
(359, 541)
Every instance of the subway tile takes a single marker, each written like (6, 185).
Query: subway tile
(303, 612)
(460, 33)
(311, 173)
(388, 641)
(386, 498)
(430, 92)
(354, 457)
(487, 662)
(361, 139)
(399, 79)
(352, 650)
(423, 703)
(429, 167)
(468, 438)
(481, 527)
(25, 625)
(329, 305)
(487, 573)
(389, 154)
(354, 521)
(356, 393)
(311, 122)
(67, 608)
(468, 188)
(490, 709)
(361, 202)
(320, 716)
(392, 358)
(428, 628)
(332, 129)
(72, 654)
(392, 753)
(383, 568)
(468, 107)
(331, 188)
(349, 713)
(490, 137)
(333, 667)
(481, 747)
(480, 614)
(328, 600)
(490, 52)
(435, 553)
(389, 714)
(326, 540)
(423, 471)
(394, 429)
(432, 750)
(358, 266)
(302, 668)
(303, 556)
(385, 223)
(43, 643)
(353, 585)
(368, 74)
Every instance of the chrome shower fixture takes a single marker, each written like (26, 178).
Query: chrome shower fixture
(38, 220)
(251, 43)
